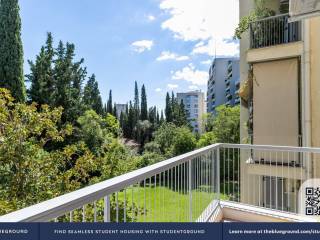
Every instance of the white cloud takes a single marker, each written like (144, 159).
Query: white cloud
(191, 74)
(193, 87)
(218, 47)
(206, 62)
(142, 45)
(172, 86)
(203, 21)
(166, 55)
(158, 90)
(151, 18)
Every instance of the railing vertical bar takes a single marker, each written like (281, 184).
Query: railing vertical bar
(218, 172)
(271, 179)
(238, 166)
(117, 206)
(228, 170)
(144, 201)
(71, 216)
(107, 209)
(259, 156)
(199, 184)
(175, 191)
(233, 163)
(150, 204)
(168, 182)
(155, 198)
(295, 182)
(178, 191)
(95, 211)
(277, 180)
(289, 184)
(132, 203)
(125, 206)
(282, 180)
(162, 205)
(190, 190)
(84, 213)
(224, 171)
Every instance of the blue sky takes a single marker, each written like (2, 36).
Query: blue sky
(165, 44)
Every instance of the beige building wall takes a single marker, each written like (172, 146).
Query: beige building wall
(315, 80)
(249, 181)
(245, 6)
(315, 90)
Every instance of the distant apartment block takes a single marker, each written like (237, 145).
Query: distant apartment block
(194, 103)
(223, 83)
(121, 108)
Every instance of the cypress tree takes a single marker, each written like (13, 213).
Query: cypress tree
(11, 50)
(136, 105)
(168, 109)
(109, 103)
(158, 118)
(131, 123)
(114, 111)
(144, 105)
(91, 97)
(161, 117)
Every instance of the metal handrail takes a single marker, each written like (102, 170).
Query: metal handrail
(271, 17)
(57, 206)
(53, 208)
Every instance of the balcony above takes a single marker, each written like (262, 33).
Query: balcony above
(273, 31)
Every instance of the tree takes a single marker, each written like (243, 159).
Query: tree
(68, 77)
(114, 110)
(136, 102)
(207, 139)
(29, 171)
(223, 127)
(94, 131)
(161, 117)
(144, 105)
(168, 109)
(226, 124)
(92, 97)
(174, 140)
(184, 141)
(130, 121)
(109, 103)
(179, 115)
(11, 50)
(260, 11)
(41, 76)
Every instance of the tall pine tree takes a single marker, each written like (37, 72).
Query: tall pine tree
(109, 103)
(136, 102)
(91, 97)
(144, 105)
(11, 50)
(41, 76)
(168, 109)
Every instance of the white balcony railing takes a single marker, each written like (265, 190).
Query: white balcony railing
(188, 187)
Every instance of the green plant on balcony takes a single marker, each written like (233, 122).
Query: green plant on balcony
(260, 12)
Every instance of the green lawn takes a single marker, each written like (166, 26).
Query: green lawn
(164, 205)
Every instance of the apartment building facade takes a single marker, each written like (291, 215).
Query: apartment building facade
(194, 103)
(280, 73)
(223, 83)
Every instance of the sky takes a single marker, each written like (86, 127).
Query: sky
(167, 45)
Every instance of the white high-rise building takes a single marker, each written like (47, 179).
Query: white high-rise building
(194, 103)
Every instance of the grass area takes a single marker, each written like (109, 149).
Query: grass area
(165, 205)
